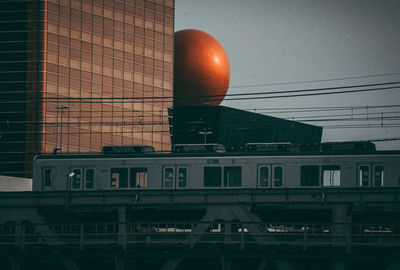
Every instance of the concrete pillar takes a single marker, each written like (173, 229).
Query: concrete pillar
(20, 235)
(225, 262)
(228, 233)
(341, 226)
(119, 262)
(338, 265)
(81, 237)
(15, 263)
(122, 237)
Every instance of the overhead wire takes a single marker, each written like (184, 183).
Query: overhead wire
(241, 95)
(244, 85)
(244, 96)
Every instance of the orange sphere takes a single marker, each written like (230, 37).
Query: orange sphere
(201, 71)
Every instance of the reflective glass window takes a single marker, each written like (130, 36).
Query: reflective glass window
(264, 176)
(169, 177)
(76, 178)
(378, 175)
(212, 176)
(331, 176)
(119, 177)
(138, 177)
(182, 178)
(363, 173)
(309, 175)
(89, 178)
(278, 176)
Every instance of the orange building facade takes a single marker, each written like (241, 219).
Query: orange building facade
(109, 63)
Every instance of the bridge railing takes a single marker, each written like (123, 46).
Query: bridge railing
(192, 233)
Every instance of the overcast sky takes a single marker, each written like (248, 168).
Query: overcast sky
(298, 41)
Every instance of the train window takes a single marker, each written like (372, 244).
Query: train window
(309, 176)
(76, 178)
(212, 176)
(119, 177)
(182, 177)
(378, 175)
(232, 176)
(278, 176)
(363, 174)
(169, 176)
(89, 178)
(48, 177)
(138, 177)
(263, 176)
(331, 176)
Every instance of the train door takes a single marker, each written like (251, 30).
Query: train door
(364, 175)
(277, 175)
(378, 171)
(175, 177)
(270, 176)
(89, 178)
(75, 178)
(264, 176)
(370, 175)
(81, 179)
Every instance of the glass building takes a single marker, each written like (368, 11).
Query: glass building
(85, 72)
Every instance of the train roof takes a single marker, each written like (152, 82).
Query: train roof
(214, 154)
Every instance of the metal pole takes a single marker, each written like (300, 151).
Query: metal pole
(205, 133)
(61, 133)
(61, 130)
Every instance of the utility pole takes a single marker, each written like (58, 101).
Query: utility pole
(62, 108)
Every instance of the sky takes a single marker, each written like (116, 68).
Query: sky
(285, 45)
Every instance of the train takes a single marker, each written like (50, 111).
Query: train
(209, 166)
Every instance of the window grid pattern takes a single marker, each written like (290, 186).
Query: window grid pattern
(107, 60)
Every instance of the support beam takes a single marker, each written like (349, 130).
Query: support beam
(341, 226)
(262, 264)
(69, 264)
(283, 265)
(338, 265)
(227, 213)
(171, 264)
(225, 262)
(20, 214)
(119, 262)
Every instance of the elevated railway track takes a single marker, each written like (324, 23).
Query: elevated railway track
(216, 229)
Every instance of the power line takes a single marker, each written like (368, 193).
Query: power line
(245, 85)
(156, 99)
(324, 108)
(314, 81)
(170, 98)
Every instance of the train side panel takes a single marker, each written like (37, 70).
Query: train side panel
(216, 172)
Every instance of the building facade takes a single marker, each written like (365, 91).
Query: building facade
(79, 74)
(234, 128)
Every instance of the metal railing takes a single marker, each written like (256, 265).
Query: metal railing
(263, 234)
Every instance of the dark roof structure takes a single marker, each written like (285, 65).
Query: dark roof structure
(234, 128)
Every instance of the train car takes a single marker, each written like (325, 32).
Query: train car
(217, 170)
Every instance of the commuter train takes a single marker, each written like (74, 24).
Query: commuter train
(261, 166)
